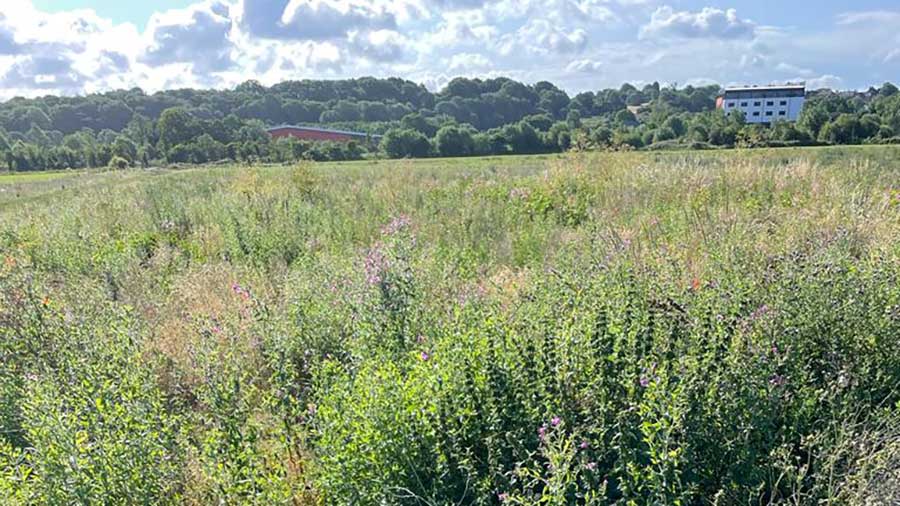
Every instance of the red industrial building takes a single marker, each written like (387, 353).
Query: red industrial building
(320, 134)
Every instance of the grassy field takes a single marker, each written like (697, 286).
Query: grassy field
(630, 328)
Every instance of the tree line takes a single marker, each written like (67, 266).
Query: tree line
(467, 117)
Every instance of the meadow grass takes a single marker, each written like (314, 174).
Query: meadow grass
(622, 328)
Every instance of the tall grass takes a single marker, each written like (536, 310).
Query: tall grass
(671, 328)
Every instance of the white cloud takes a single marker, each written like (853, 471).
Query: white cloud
(379, 45)
(539, 36)
(199, 35)
(584, 66)
(825, 81)
(578, 44)
(709, 23)
(464, 62)
(314, 19)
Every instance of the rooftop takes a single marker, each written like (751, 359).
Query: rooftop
(322, 130)
(768, 87)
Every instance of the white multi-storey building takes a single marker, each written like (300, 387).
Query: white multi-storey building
(765, 104)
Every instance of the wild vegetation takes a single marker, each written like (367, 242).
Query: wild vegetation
(620, 328)
(467, 117)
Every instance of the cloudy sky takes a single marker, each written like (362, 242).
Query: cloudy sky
(84, 46)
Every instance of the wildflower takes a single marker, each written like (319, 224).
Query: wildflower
(375, 265)
(644, 381)
(399, 223)
(45, 301)
(584, 445)
(519, 193)
(502, 496)
(760, 312)
(777, 380)
(216, 329)
(542, 431)
(311, 409)
(695, 284)
(236, 288)
(555, 421)
(425, 356)
(591, 466)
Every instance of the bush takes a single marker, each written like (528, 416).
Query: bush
(117, 162)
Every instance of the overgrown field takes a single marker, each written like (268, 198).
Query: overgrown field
(634, 329)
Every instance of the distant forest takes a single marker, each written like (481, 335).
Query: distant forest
(467, 117)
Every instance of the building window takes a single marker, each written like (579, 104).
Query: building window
(770, 103)
(757, 104)
(756, 113)
(782, 113)
(784, 102)
(768, 113)
(743, 104)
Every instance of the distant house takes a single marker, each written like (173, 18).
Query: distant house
(321, 134)
(765, 104)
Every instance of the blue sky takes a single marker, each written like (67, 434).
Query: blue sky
(119, 11)
(83, 46)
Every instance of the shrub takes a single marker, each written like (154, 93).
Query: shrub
(117, 162)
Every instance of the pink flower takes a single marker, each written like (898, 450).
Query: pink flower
(645, 382)
(760, 312)
(399, 223)
(591, 466)
(375, 265)
(503, 496)
(584, 445)
(542, 431)
(425, 356)
(555, 421)
(519, 193)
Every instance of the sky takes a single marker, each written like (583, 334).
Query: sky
(76, 47)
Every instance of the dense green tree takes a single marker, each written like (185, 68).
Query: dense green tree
(845, 129)
(405, 143)
(123, 147)
(507, 116)
(176, 126)
(625, 118)
(454, 140)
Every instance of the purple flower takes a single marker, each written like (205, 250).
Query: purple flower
(425, 356)
(376, 264)
(555, 421)
(397, 224)
(542, 431)
(645, 382)
(236, 288)
(591, 466)
(502, 496)
(760, 312)
(519, 193)
(584, 445)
